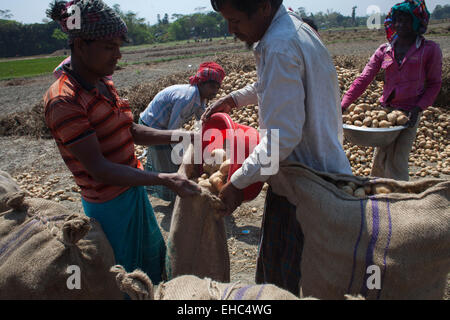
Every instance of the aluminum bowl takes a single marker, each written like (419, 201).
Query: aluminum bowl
(371, 137)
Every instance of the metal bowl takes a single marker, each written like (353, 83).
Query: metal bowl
(371, 137)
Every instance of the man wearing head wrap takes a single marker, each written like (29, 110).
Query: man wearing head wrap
(413, 78)
(95, 134)
(170, 109)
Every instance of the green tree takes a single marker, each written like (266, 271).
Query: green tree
(441, 12)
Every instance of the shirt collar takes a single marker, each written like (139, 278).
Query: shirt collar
(87, 86)
(419, 41)
(280, 12)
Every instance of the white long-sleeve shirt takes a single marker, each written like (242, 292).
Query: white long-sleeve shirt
(297, 92)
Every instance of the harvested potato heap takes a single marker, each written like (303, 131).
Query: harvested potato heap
(247, 115)
(216, 173)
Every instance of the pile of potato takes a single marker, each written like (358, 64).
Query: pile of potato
(37, 188)
(429, 156)
(373, 116)
(215, 174)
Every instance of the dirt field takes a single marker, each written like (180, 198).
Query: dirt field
(24, 155)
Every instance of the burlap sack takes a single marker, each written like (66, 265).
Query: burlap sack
(7, 185)
(405, 235)
(197, 242)
(42, 244)
(139, 287)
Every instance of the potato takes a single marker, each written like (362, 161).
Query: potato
(382, 115)
(360, 193)
(402, 120)
(381, 189)
(392, 118)
(384, 124)
(367, 122)
(217, 183)
(219, 155)
(211, 168)
(225, 167)
(215, 175)
(352, 185)
(347, 189)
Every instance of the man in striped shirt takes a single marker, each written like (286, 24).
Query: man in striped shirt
(170, 109)
(95, 134)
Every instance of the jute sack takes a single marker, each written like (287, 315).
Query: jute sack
(197, 242)
(46, 252)
(7, 185)
(188, 287)
(385, 246)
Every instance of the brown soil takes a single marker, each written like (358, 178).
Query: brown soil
(26, 148)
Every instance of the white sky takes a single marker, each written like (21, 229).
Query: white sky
(33, 11)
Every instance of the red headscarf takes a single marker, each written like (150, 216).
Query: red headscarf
(208, 71)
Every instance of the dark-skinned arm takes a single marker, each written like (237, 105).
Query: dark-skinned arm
(88, 152)
(147, 136)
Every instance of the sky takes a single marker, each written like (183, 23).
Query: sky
(33, 11)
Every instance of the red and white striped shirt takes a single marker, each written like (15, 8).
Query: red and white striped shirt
(73, 111)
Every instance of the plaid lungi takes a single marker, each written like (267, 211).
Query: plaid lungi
(281, 245)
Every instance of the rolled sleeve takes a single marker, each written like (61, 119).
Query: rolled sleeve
(245, 96)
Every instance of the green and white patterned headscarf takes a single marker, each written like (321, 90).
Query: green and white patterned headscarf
(87, 19)
(417, 9)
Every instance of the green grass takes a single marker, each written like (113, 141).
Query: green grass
(167, 44)
(199, 55)
(28, 68)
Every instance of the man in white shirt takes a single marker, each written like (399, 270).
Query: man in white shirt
(298, 94)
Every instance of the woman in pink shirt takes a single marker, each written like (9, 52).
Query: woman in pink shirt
(413, 77)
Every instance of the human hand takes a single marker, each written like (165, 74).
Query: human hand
(232, 197)
(180, 185)
(413, 117)
(224, 104)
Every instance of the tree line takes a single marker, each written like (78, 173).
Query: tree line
(17, 39)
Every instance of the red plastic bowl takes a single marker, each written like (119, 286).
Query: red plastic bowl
(245, 138)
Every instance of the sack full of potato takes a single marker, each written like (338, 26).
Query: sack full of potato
(46, 252)
(197, 242)
(381, 238)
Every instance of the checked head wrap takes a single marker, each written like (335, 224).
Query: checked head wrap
(96, 21)
(208, 71)
(417, 9)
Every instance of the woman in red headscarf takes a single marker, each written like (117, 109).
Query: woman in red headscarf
(170, 109)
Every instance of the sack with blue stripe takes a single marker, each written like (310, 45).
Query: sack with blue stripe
(383, 246)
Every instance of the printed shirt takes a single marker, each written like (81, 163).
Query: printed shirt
(414, 82)
(173, 106)
(297, 92)
(74, 111)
